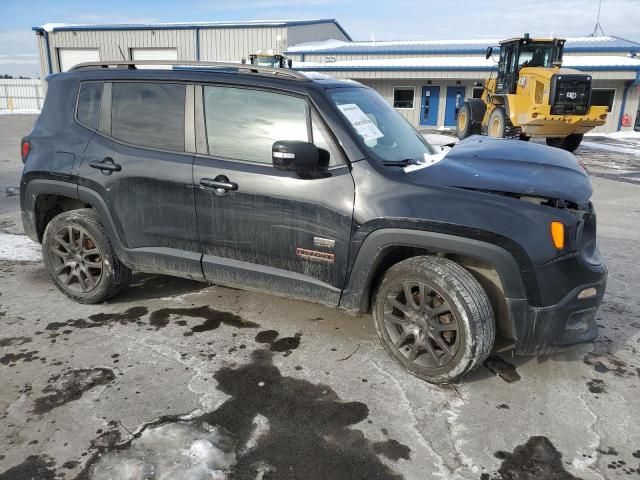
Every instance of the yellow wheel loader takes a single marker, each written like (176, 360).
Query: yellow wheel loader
(531, 95)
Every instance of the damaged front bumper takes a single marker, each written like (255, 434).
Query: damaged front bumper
(540, 330)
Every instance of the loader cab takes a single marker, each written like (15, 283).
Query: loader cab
(269, 59)
(518, 53)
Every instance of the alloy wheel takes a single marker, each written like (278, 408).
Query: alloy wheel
(76, 259)
(421, 324)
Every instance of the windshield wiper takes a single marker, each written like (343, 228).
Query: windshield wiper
(400, 163)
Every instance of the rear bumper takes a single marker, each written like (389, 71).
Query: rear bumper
(540, 122)
(572, 320)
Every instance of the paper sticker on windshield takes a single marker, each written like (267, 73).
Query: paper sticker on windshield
(363, 125)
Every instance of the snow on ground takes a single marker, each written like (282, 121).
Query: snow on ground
(177, 451)
(19, 111)
(621, 135)
(630, 150)
(19, 248)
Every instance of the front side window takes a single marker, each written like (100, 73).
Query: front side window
(385, 133)
(403, 97)
(149, 114)
(243, 124)
(89, 103)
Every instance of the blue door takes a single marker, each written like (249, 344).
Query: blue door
(455, 98)
(429, 105)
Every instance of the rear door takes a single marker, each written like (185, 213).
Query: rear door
(272, 230)
(138, 163)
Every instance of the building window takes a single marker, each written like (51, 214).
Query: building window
(149, 114)
(477, 92)
(403, 97)
(603, 97)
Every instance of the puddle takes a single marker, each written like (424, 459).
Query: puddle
(71, 386)
(535, 460)
(272, 426)
(131, 315)
(8, 341)
(596, 386)
(505, 370)
(285, 344)
(213, 318)
(12, 358)
(33, 467)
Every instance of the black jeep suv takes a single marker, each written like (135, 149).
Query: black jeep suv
(317, 189)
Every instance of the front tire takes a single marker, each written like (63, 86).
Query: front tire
(80, 259)
(434, 318)
(497, 126)
(465, 125)
(569, 143)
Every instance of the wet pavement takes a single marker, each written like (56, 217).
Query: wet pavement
(185, 380)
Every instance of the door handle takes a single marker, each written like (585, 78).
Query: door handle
(107, 165)
(219, 183)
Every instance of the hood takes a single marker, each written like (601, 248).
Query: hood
(510, 166)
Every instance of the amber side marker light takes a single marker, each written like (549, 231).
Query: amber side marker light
(557, 234)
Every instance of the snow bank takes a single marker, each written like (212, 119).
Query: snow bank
(176, 451)
(17, 111)
(626, 134)
(18, 248)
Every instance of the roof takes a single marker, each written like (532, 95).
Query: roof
(464, 63)
(454, 47)
(61, 27)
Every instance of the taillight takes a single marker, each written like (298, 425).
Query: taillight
(25, 148)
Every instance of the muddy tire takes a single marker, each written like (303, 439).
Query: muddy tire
(465, 126)
(80, 259)
(497, 126)
(434, 318)
(569, 143)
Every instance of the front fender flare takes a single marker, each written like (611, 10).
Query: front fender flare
(358, 291)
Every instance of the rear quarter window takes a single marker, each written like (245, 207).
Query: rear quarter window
(89, 103)
(149, 114)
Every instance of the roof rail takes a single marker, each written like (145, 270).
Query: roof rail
(240, 67)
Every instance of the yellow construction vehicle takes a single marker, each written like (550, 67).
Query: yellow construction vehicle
(531, 95)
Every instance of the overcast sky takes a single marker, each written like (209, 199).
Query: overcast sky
(384, 19)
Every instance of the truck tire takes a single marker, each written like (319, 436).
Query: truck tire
(569, 143)
(80, 259)
(434, 318)
(497, 126)
(465, 125)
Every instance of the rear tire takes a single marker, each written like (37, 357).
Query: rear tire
(497, 126)
(569, 143)
(465, 125)
(80, 259)
(434, 318)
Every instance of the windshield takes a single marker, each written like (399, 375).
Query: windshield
(384, 132)
(534, 55)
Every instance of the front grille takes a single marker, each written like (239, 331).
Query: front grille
(570, 94)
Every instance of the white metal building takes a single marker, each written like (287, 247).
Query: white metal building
(61, 45)
(427, 80)
(424, 80)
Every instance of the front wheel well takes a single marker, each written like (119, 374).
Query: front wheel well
(48, 206)
(483, 271)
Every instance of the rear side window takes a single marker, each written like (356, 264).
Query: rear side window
(243, 124)
(149, 114)
(89, 103)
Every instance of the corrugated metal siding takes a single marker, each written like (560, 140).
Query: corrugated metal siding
(21, 94)
(234, 44)
(114, 43)
(313, 33)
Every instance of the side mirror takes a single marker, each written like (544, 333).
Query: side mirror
(295, 156)
(489, 52)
